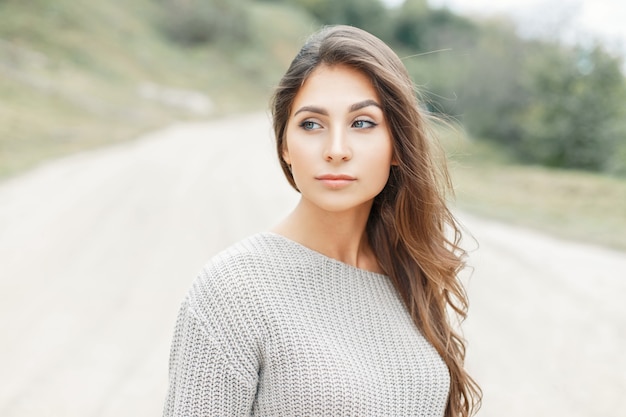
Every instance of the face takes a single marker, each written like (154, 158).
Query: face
(337, 140)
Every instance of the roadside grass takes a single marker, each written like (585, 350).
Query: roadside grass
(576, 205)
(71, 73)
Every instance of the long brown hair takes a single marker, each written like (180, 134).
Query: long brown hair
(409, 224)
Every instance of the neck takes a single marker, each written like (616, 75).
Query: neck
(338, 235)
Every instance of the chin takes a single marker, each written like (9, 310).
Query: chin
(341, 205)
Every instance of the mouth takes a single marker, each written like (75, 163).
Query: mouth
(335, 181)
(336, 177)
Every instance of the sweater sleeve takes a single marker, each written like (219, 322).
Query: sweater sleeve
(203, 381)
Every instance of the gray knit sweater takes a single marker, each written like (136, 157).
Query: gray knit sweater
(272, 328)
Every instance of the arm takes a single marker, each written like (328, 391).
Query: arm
(203, 381)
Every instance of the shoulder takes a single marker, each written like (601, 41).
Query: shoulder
(242, 274)
(226, 308)
(251, 260)
(247, 258)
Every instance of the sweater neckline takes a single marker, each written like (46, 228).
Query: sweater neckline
(322, 256)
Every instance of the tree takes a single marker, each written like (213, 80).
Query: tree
(370, 15)
(434, 44)
(410, 22)
(491, 87)
(577, 100)
(193, 22)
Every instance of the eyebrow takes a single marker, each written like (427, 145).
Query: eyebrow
(365, 103)
(356, 106)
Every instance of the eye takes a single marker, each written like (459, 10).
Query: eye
(310, 125)
(363, 124)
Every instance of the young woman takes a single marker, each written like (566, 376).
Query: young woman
(343, 308)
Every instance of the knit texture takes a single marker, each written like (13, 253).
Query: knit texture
(272, 328)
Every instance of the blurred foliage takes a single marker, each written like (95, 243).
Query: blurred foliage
(370, 14)
(193, 22)
(576, 108)
(418, 27)
(490, 84)
(544, 101)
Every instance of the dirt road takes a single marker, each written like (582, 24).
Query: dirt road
(97, 250)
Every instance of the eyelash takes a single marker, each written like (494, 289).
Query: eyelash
(365, 121)
(304, 124)
(307, 124)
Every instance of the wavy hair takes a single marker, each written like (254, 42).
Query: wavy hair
(410, 228)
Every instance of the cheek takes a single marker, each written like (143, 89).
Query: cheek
(300, 150)
(380, 174)
(382, 155)
(300, 157)
(301, 167)
(387, 160)
(377, 167)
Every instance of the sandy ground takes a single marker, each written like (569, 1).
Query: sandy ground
(97, 251)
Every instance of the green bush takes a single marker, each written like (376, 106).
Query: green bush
(192, 22)
(617, 163)
(573, 118)
(547, 103)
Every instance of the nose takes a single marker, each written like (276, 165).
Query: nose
(337, 147)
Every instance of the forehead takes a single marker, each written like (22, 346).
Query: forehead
(336, 84)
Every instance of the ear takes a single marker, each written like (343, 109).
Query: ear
(285, 155)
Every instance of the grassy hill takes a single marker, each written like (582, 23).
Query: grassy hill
(76, 74)
(583, 206)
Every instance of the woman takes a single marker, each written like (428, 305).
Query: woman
(342, 309)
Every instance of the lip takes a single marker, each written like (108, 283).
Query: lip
(336, 180)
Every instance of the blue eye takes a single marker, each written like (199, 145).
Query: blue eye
(309, 125)
(363, 124)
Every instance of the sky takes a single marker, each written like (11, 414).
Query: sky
(573, 20)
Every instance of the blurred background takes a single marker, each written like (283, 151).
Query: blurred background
(538, 86)
(134, 140)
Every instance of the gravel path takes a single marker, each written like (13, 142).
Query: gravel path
(97, 250)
